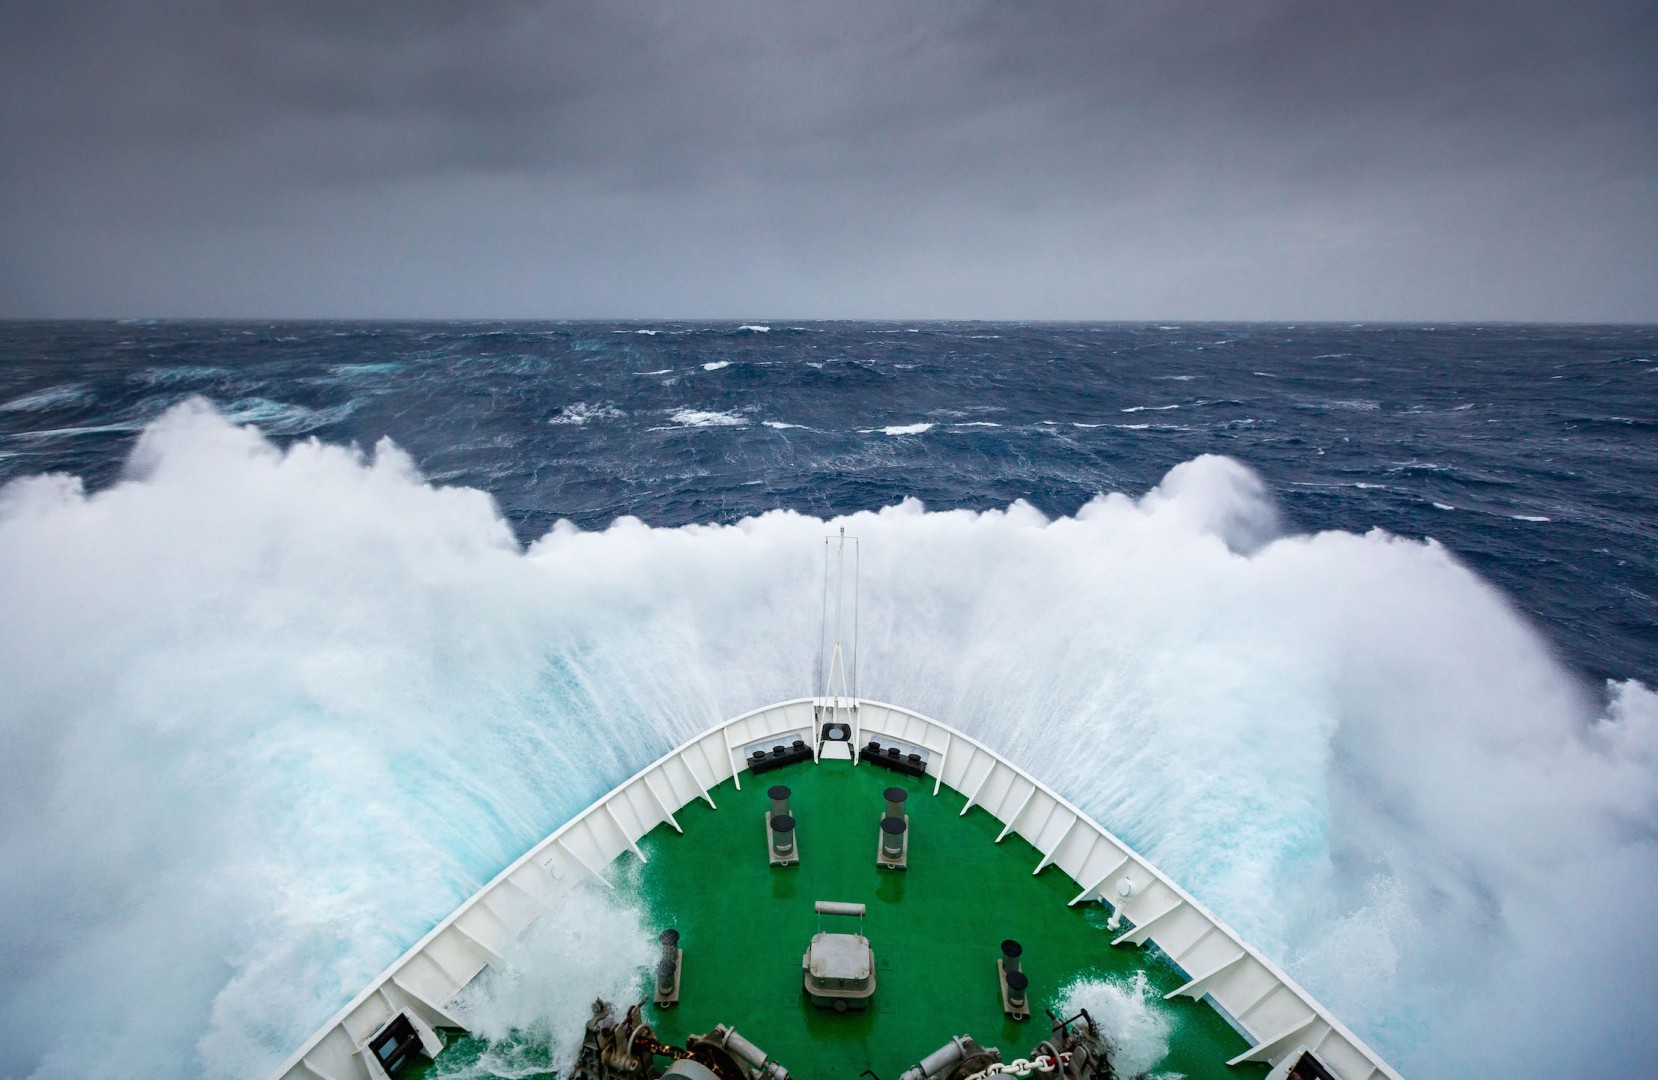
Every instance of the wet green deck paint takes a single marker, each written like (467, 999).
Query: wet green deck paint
(935, 928)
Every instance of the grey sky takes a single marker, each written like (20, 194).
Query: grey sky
(1341, 159)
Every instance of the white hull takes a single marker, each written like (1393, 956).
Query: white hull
(1265, 1005)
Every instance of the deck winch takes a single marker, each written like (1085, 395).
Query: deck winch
(1076, 1050)
(627, 1049)
(960, 1057)
(751, 1058)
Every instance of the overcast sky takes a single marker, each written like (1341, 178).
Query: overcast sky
(1158, 159)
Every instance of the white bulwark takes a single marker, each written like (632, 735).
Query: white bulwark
(1265, 1005)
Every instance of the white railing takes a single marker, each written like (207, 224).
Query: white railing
(1265, 1005)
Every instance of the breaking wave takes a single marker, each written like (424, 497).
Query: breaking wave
(707, 418)
(270, 714)
(582, 412)
(533, 1009)
(1129, 1013)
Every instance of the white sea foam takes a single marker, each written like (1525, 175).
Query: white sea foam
(270, 714)
(705, 418)
(1130, 1014)
(755, 329)
(533, 1008)
(976, 423)
(1443, 506)
(908, 429)
(781, 425)
(664, 371)
(1149, 408)
(1529, 517)
(581, 413)
(54, 398)
(355, 371)
(73, 432)
(282, 417)
(715, 365)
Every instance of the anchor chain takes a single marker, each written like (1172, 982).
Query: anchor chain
(1021, 1066)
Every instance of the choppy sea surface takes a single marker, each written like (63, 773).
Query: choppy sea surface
(278, 672)
(1529, 451)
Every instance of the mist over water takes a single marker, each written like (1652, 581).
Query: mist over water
(271, 713)
(533, 1010)
(1129, 1013)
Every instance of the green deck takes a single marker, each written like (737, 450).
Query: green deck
(935, 929)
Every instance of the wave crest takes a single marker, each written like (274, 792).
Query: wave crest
(249, 688)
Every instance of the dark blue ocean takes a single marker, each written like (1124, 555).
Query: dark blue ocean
(309, 629)
(1531, 452)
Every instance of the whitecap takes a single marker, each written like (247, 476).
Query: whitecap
(907, 429)
(664, 371)
(1529, 517)
(1443, 506)
(42, 400)
(383, 368)
(715, 365)
(781, 425)
(282, 417)
(90, 429)
(755, 329)
(1150, 408)
(581, 412)
(706, 418)
(214, 585)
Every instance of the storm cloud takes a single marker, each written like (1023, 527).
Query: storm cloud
(1181, 159)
